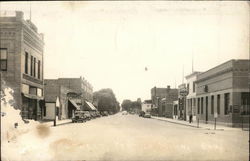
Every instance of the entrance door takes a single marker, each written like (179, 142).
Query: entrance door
(206, 109)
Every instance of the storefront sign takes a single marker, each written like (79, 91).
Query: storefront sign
(215, 115)
(25, 88)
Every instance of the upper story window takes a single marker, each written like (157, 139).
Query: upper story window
(39, 68)
(3, 59)
(34, 67)
(26, 62)
(31, 65)
(188, 87)
(193, 87)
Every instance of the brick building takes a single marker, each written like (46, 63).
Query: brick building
(224, 90)
(72, 93)
(21, 57)
(163, 99)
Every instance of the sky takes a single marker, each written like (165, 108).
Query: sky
(110, 43)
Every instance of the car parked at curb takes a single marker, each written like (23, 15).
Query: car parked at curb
(141, 114)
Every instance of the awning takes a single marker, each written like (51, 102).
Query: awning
(33, 96)
(91, 106)
(74, 104)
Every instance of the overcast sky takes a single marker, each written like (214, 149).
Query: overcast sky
(111, 43)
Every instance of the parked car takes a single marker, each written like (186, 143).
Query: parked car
(141, 114)
(79, 116)
(124, 112)
(93, 114)
(98, 114)
(87, 115)
(147, 115)
(106, 113)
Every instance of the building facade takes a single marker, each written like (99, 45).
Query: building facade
(182, 93)
(223, 93)
(163, 99)
(72, 93)
(191, 96)
(146, 105)
(21, 57)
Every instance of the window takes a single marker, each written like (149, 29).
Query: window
(193, 87)
(212, 104)
(34, 67)
(31, 65)
(245, 103)
(26, 62)
(218, 104)
(188, 87)
(38, 72)
(198, 106)
(3, 59)
(226, 103)
(201, 105)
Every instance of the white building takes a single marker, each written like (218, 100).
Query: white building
(191, 97)
(147, 105)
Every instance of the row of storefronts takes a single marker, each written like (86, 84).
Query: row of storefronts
(22, 69)
(220, 93)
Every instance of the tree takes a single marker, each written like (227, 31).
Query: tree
(106, 100)
(126, 105)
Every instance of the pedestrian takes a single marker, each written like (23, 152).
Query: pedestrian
(191, 117)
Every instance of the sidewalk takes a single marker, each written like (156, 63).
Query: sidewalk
(58, 122)
(194, 124)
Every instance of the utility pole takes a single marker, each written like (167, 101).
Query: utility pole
(30, 11)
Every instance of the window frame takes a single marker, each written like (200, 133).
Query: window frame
(4, 60)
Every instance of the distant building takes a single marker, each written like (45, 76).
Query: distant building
(21, 58)
(223, 92)
(73, 94)
(163, 99)
(191, 95)
(146, 106)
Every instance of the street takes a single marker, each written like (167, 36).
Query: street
(130, 137)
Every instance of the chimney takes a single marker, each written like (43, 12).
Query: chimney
(168, 87)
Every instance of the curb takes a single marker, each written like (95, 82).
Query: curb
(176, 122)
(187, 124)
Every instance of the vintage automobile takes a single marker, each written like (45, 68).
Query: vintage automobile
(147, 115)
(106, 113)
(87, 115)
(93, 114)
(98, 114)
(78, 116)
(141, 114)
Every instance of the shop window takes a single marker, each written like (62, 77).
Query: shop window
(245, 103)
(212, 105)
(226, 103)
(201, 105)
(198, 106)
(218, 104)
(3, 59)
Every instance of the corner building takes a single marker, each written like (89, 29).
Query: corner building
(21, 58)
(224, 91)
